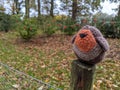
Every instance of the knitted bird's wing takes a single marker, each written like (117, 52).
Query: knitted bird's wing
(94, 30)
(73, 39)
(103, 43)
(99, 37)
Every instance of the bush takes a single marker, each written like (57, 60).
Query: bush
(4, 22)
(9, 22)
(15, 21)
(117, 26)
(49, 26)
(108, 25)
(68, 26)
(49, 29)
(70, 29)
(27, 29)
(110, 29)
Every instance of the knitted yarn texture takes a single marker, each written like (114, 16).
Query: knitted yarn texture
(89, 45)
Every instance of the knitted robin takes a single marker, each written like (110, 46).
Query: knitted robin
(89, 45)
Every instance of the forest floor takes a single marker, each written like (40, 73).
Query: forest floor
(49, 59)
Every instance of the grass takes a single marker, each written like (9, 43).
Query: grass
(49, 59)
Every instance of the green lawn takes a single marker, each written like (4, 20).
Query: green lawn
(49, 59)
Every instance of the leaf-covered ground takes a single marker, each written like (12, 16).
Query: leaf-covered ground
(49, 59)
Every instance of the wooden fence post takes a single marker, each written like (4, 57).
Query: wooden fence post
(82, 76)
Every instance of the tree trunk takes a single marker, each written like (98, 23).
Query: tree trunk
(82, 76)
(74, 9)
(17, 6)
(39, 8)
(13, 7)
(27, 8)
(52, 7)
(119, 11)
(13, 10)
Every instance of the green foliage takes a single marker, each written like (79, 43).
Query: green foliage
(15, 21)
(117, 26)
(68, 26)
(110, 28)
(4, 22)
(107, 24)
(49, 29)
(9, 22)
(48, 25)
(27, 29)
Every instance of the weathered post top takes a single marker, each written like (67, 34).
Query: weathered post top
(82, 76)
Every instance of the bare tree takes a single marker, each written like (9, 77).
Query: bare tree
(39, 7)
(27, 9)
(74, 9)
(49, 6)
(79, 7)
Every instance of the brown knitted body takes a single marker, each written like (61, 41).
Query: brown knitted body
(93, 61)
(88, 55)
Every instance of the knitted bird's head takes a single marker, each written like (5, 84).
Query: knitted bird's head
(85, 40)
(89, 45)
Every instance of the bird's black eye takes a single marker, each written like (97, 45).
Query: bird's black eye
(82, 35)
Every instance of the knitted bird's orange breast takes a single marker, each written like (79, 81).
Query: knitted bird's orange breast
(86, 43)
